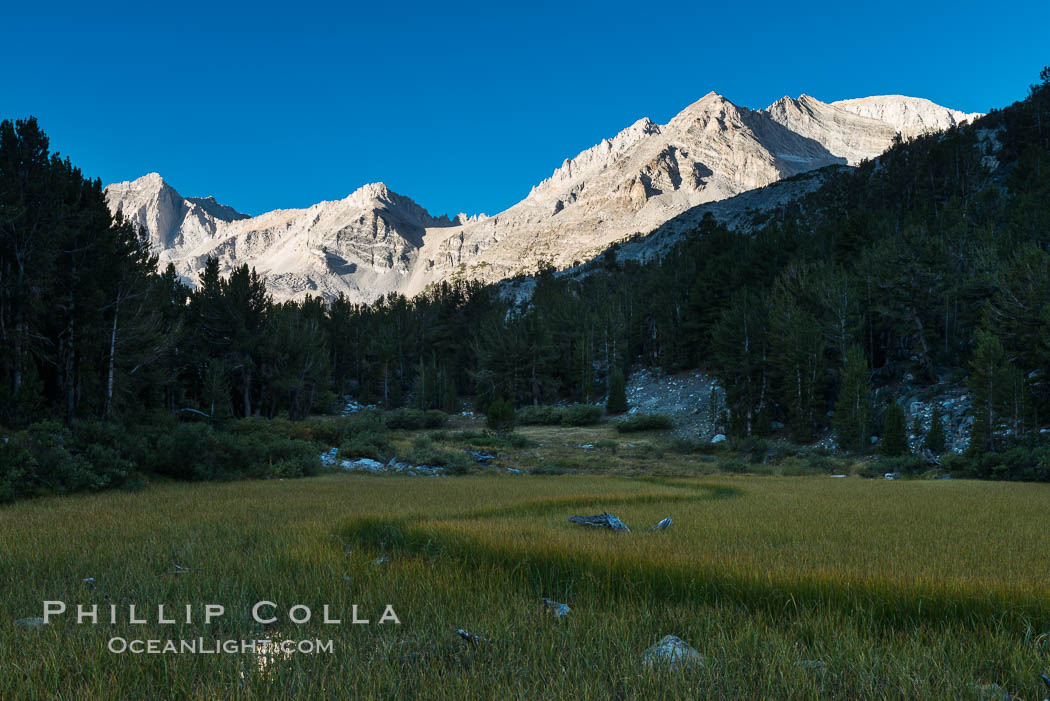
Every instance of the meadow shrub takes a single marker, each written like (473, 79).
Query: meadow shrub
(109, 449)
(365, 445)
(47, 458)
(518, 441)
(453, 462)
(581, 415)
(414, 419)
(648, 450)
(190, 451)
(821, 463)
(548, 470)
(904, 464)
(734, 466)
(262, 456)
(17, 471)
(408, 419)
(484, 440)
(645, 422)
(1018, 463)
(324, 431)
(693, 446)
(197, 451)
(434, 418)
(754, 449)
(364, 436)
(472, 437)
(543, 415)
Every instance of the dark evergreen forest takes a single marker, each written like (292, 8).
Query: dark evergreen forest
(932, 261)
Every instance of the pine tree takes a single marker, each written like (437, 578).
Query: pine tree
(740, 358)
(895, 431)
(936, 440)
(617, 402)
(500, 416)
(852, 420)
(988, 382)
(216, 397)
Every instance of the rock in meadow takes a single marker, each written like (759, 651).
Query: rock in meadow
(673, 652)
(990, 692)
(367, 464)
(557, 610)
(603, 520)
(471, 638)
(663, 525)
(817, 665)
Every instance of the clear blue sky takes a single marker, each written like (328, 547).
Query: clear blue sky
(462, 107)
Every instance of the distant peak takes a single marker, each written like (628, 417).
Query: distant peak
(372, 190)
(150, 182)
(708, 102)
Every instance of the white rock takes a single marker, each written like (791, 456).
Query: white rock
(673, 652)
(367, 464)
(557, 610)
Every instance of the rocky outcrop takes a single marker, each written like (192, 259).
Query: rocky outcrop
(173, 222)
(910, 116)
(853, 137)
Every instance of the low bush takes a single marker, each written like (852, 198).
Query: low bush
(17, 471)
(1018, 463)
(484, 440)
(453, 461)
(196, 451)
(734, 466)
(821, 463)
(648, 450)
(47, 458)
(364, 435)
(645, 422)
(414, 419)
(903, 464)
(581, 415)
(543, 415)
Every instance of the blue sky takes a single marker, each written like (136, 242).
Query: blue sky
(462, 107)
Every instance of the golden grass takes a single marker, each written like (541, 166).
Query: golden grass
(757, 573)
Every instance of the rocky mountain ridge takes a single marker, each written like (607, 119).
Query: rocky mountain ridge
(649, 177)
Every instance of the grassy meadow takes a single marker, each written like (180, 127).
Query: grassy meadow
(790, 587)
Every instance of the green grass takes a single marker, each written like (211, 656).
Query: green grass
(909, 589)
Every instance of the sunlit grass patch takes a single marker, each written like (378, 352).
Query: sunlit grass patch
(900, 589)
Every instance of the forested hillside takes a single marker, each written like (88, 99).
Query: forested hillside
(931, 261)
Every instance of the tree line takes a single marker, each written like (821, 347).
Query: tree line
(930, 262)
